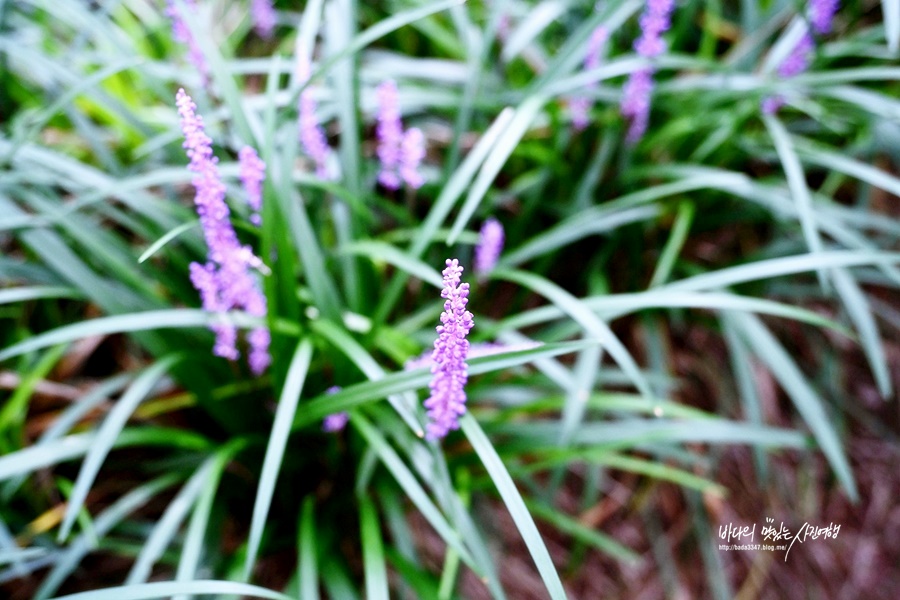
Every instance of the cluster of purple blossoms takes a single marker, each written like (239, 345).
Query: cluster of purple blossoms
(821, 15)
(400, 153)
(490, 244)
(225, 281)
(580, 106)
(182, 34)
(312, 136)
(263, 14)
(449, 369)
(635, 105)
(253, 173)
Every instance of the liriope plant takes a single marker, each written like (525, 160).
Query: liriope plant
(566, 164)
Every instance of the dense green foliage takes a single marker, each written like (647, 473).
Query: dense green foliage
(720, 220)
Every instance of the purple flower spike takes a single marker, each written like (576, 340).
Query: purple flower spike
(181, 34)
(253, 173)
(225, 281)
(580, 106)
(390, 134)
(263, 14)
(449, 369)
(821, 14)
(400, 153)
(490, 244)
(412, 151)
(655, 21)
(312, 136)
(635, 106)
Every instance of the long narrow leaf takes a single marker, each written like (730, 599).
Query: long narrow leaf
(516, 506)
(107, 434)
(281, 429)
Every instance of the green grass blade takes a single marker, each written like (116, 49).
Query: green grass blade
(192, 547)
(411, 487)
(516, 506)
(308, 247)
(176, 318)
(163, 589)
(307, 567)
(633, 432)
(381, 29)
(778, 267)
(588, 222)
(103, 524)
(403, 404)
(374, 567)
(64, 449)
(587, 319)
(861, 314)
(107, 434)
(24, 294)
(891, 12)
(15, 409)
(500, 153)
(404, 381)
(381, 251)
(817, 154)
(797, 183)
(167, 526)
(281, 429)
(574, 528)
(810, 406)
(742, 367)
(674, 244)
(168, 237)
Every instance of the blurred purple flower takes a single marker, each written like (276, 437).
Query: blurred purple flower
(253, 173)
(312, 136)
(580, 106)
(390, 134)
(798, 60)
(412, 151)
(490, 244)
(181, 34)
(821, 14)
(656, 20)
(400, 153)
(771, 104)
(449, 369)
(337, 421)
(224, 281)
(264, 18)
(635, 106)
